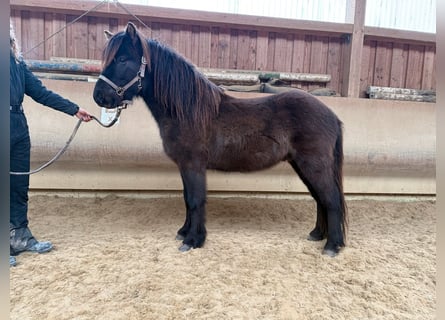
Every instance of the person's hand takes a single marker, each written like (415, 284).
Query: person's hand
(83, 115)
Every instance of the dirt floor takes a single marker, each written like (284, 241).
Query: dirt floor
(117, 258)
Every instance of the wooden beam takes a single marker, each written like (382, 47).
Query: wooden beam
(400, 35)
(353, 56)
(93, 67)
(181, 15)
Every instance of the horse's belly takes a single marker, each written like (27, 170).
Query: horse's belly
(253, 156)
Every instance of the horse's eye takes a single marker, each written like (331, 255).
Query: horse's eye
(121, 59)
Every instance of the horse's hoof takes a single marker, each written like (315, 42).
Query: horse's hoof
(179, 237)
(330, 252)
(314, 238)
(184, 248)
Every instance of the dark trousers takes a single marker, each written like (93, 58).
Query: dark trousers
(20, 150)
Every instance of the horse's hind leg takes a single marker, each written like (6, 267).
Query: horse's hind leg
(193, 232)
(317, 174)
(320, 231)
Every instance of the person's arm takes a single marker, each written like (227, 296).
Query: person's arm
(39, 93)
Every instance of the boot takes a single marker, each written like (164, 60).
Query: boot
(12, 261)
(21, 239)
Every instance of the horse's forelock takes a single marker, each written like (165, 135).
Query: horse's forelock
(111, 49)
(115, 43)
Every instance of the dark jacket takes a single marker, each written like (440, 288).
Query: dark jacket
(23, 81)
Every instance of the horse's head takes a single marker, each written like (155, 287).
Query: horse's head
(125, 61)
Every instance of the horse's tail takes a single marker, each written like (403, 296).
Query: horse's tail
(338, 172)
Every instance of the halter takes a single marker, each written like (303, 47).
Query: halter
(138, 78)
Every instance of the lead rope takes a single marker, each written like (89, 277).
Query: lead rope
(61, 151)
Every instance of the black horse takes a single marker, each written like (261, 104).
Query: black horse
(203, 128)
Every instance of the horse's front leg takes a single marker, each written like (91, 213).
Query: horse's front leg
(193, 232)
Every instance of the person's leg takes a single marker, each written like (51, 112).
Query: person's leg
(21, 238)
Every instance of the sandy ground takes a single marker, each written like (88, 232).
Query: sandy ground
(117, 258)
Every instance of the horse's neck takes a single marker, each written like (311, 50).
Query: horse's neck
(156, 109)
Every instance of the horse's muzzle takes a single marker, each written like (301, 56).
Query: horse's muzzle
(105, 97)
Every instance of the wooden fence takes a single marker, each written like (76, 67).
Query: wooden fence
(353, 55)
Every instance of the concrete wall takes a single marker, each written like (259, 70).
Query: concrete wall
(389, 149)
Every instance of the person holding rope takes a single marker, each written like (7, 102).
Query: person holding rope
(23, 81)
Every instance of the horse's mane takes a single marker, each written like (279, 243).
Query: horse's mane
(180, 87)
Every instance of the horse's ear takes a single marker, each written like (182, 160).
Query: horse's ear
(108, 34)
(131, 31)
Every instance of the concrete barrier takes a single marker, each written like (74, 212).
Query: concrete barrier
(389, 149)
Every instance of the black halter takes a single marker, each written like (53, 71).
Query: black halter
(138, 78)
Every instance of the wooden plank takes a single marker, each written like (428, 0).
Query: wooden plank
(156, 30)
(433, 74)
(176, 37)
(214, 38)
(370, 66)
(48, 31)
(318, 62)
(59, 40)
(398, 65)
(195, 45)
(185, 46)
(307, 59)
(298, 53)
(365, 75)
(165, 33)
(145, 28)
(252, 50)
(262, 50)
(316, 56)
(271, 52)
(283, 52)
(113, 25)
(77, 39)
(102, 24)
(428, 74)
(204, 47)
(307, 54)
(223, 55)
(415, 66)
(334, 63)
(33, 32)
(233, 62)
(93, 32)
(243, 50)
(382, 68)
(323, 54)
(122, 23)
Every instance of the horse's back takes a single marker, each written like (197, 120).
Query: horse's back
(291, 109)
(254, 134)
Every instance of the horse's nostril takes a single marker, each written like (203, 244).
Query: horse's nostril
(99, 98)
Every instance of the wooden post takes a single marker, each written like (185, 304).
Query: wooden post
(353, 53)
